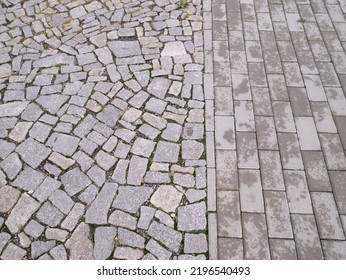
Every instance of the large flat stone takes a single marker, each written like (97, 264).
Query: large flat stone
(75, 181)
(104, 242)
(130, 199)
(97, 213)
(8, 198)
(21, 213)
(13, 109)
(125, 48)
(80, 246)
(33, 152)
(192, 217)
(166, 235)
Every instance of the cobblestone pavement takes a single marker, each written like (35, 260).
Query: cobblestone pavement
(172, 129)
(102, 130)
(279, 82)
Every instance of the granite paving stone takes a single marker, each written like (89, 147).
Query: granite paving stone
(238, 103)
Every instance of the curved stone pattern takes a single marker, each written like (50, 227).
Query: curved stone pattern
(102, 130)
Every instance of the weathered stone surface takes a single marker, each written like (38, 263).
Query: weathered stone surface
(58, 253)
(166, 152)
(33, 152)
(21, 213)
(125, 48)
(157, 250)
(137, 196)
(29, 179)
(192, 149)
(195, 243)
(104, 242)
(192, 217)
(53, 102)
(46, 188)
(13, 252)
(159, 87)
(40, 247)
(65, 144)
(73, 217)
(75, 181)
(167, 198)
(122, 219)
(49, 215)
(8, 198)
(173, 49)
(137, 168)
(97, 213)
(146, 215)
(56, 234)
(12, 109)
(62, 201)
(166, 235)
(50, 61)
(109, 115)
(34, 229)
(127, 253)
(130, 238)
(79, 244)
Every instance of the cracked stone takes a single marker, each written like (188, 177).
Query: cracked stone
(73, 217)
(157, 250)
(97, 175)
(53, 102)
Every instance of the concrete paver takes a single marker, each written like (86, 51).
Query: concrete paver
(287, 100)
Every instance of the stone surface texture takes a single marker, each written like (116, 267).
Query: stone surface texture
(97, 100)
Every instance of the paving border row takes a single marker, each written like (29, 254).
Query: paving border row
(210, 129)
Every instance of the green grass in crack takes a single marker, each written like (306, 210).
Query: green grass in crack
(182, 4)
